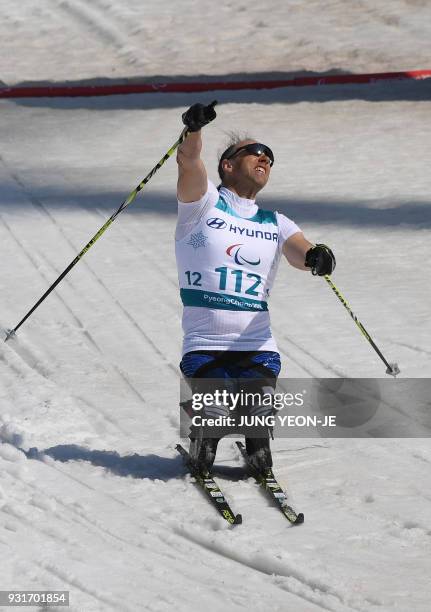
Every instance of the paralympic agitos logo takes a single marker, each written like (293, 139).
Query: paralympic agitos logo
(234, 251)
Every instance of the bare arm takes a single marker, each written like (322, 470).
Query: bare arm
(192, 176)
(295, 249)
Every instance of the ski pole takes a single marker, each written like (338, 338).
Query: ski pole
(392, 368)
(127, 201)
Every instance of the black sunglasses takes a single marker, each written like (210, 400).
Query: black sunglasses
(255, 148)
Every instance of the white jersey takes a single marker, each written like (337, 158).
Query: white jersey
(227, 252)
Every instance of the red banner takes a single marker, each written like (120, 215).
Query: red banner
(61, 91)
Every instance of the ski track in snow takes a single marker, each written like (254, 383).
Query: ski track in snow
(25, 352)
(312, 591)
(172, 552)
(148, 255)
(36, 362)
(299, 584)
(78, 39)
(178, 540)
(301, 356)
(39, 205)
(412, 347)
(110, 31)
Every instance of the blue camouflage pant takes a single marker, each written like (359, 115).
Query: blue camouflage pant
(249, 371)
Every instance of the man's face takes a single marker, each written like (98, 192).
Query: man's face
(248, 167)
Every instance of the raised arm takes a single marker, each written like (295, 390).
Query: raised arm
(192, 176)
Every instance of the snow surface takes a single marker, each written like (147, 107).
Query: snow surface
(102, 39)
(101, 505)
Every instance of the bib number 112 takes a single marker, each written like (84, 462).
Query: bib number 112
(239, 278)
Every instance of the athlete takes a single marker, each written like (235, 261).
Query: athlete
(228, 250)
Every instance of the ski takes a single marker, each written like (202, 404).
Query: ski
(269, 483)
(210, 488)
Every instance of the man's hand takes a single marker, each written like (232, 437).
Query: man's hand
(320, 259)
(199, 115)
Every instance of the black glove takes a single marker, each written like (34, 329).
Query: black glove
(199, 115)
(320, 259)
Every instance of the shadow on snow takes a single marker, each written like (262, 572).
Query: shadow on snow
(153, 467)
(359, 213)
